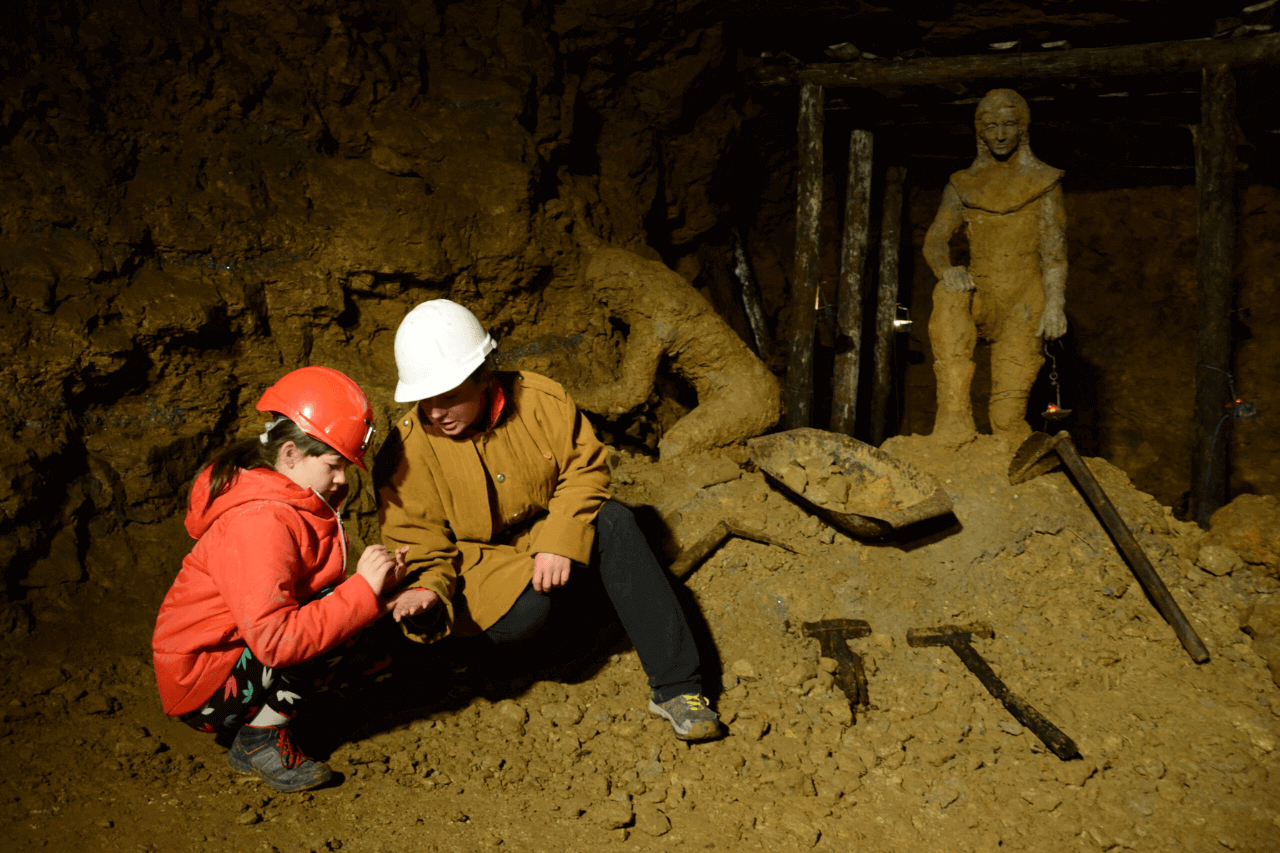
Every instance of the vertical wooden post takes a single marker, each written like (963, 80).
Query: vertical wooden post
(1215, 217)
(886, 302)
(804, 287)
(853, 260)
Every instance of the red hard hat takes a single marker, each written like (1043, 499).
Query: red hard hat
(325, 404)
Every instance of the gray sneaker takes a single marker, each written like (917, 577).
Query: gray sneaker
(268, 752)
(690, 715)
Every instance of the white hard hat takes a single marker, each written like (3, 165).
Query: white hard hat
(438, 345)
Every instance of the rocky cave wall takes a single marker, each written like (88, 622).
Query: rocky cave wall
(202, 196)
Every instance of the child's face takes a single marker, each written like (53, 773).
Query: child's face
(326, 474)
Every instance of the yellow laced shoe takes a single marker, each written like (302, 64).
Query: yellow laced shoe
(690, 715)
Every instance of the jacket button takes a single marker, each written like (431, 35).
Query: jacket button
(514, 516)
(406, 423)
(501, 478)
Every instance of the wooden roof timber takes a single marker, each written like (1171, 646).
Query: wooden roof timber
(1158, 58)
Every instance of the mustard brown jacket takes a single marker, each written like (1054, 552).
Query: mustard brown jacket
(475, 510)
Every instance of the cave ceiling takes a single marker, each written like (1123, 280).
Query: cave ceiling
(807, 28)
(1135, 129)
(1134, 125)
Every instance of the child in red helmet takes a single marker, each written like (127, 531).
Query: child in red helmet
(261, 609)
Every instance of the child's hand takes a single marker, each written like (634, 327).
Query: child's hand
(380, 569)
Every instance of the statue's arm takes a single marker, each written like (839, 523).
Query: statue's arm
(937, 243)
(1053, 264)
(636, 375)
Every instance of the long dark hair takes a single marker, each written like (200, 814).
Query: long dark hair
(255, 453)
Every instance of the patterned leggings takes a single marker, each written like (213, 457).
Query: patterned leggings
(251, 686)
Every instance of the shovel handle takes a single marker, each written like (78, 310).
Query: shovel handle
(1131, 550)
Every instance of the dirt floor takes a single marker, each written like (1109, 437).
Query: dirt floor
(462, 752)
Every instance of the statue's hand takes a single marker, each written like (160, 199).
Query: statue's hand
(956, 280)
(1053, 322)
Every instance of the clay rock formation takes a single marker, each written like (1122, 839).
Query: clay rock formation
(1261, 621)
(1249, 526)
(671, 323)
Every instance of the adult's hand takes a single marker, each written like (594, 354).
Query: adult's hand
(411, 602)
(956, 280)
(402, 564)
(550, 571)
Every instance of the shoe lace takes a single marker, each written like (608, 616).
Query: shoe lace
(696, 701)
(290, 755)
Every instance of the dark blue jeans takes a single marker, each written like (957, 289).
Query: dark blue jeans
(624, 572)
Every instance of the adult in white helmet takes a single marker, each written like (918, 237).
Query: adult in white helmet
(499, 488)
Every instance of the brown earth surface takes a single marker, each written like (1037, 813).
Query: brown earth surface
(467, 753)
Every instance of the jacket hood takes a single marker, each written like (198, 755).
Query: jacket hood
(252, 485)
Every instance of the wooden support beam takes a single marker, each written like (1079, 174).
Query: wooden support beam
(1215, 140)
(853, 261)
(1169, 57)
(804, 286)
(886, 302)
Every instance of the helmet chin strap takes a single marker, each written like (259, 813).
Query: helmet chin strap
(265, 438)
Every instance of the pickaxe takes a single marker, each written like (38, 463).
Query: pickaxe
(1034, 457)
(957, 637)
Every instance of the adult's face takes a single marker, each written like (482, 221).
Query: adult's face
(453, 412)
(1000, 132)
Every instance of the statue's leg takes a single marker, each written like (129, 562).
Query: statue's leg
(953, 335)
(733, 413)
(1015, 363)
(704, 428)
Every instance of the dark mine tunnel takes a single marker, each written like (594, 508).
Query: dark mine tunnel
(892, 327)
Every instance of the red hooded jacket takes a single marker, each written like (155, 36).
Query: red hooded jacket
(264, 548)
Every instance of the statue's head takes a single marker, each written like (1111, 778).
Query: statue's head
(1001, 122)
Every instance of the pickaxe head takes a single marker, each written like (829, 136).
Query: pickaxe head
(1035, 456)
(949, 635)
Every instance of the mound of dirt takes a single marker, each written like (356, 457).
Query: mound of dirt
(1175, 756)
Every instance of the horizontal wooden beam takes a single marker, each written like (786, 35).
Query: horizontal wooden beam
(1159, 58)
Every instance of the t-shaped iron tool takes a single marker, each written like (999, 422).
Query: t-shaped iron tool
(957, 637)
(832, 635)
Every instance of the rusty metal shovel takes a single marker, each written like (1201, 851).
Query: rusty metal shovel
(1035, 457)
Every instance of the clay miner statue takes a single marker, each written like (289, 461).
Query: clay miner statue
(1013, 291)
(672, 324)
